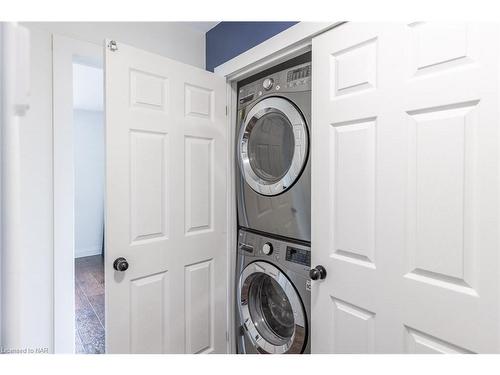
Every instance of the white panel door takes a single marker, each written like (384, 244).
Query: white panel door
(405, 184)
(166, 205)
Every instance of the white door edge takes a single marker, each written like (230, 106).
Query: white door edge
(232, 238)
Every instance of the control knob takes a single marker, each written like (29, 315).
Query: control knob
(267, 248)
(268, 83)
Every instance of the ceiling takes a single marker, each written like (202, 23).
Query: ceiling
(201, 26)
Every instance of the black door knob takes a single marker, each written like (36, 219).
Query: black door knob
(120, 264)
(317, 273)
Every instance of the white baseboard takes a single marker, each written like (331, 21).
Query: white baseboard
(87, 252)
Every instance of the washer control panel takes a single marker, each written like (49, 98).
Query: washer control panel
(294, 256)
(298, 255)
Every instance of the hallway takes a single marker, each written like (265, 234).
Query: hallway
(89, 305)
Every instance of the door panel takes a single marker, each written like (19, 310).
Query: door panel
(354, 198)
(199, 184)
(439, 194)
(148, 319)
(438, 47)
(354, 328)
(166, 205)
(199, 286)
(148, 183)
(405, 189)
(421, 343)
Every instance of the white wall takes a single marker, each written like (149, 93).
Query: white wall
(171, 39)
(88, 134)
(88, 87)
(32, 285)
(35, 271)
(88, 141)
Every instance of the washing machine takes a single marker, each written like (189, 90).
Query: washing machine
(273, 181)
(273, 299)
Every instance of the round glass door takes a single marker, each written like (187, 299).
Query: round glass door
(271, 309)
(273, 146)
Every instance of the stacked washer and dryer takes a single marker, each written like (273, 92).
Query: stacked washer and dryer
(274, 210)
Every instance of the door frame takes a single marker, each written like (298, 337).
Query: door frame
(64, 50)
(284, 46)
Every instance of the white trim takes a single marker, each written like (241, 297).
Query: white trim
(64, 51)
(274, 50)
(231, 217)
(88, 251)
(2, 95)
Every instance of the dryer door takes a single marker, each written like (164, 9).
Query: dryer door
(271, 310)
(273, 146)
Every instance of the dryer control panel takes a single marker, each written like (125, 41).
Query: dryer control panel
(298, 76)
(294, 79)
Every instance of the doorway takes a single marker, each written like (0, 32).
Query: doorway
(79, 205)
(88, 152)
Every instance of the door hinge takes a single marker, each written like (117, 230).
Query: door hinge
(227, 336)
(227, 110)
(112, 46)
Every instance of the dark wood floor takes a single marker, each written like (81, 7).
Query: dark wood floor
(89, 305)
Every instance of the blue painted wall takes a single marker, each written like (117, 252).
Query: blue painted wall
(229, 39)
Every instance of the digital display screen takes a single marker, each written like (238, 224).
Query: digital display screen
(300, 256)
(299, 73)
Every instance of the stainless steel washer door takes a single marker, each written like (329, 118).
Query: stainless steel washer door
(271, 310)
(273, 146)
